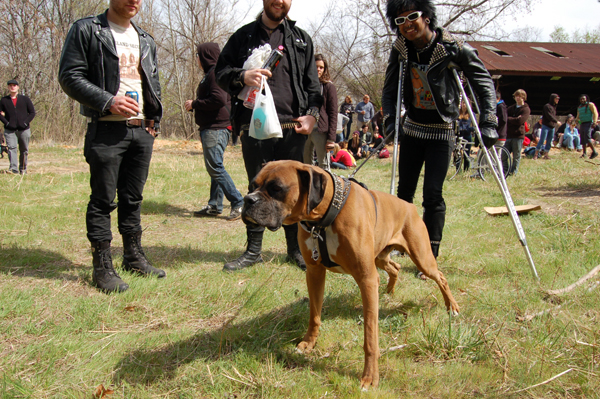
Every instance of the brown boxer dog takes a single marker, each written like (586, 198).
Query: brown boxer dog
(368, 227)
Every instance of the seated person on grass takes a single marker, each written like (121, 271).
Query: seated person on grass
(341, 158)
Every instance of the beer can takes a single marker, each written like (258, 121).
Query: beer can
(132, 94)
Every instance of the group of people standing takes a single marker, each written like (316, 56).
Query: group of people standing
(124, 114)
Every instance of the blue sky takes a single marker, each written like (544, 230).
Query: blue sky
(545, 15)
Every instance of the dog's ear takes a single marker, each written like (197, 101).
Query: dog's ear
(313, 184)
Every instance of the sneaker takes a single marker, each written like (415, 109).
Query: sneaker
(594, 155)
(207, 211)
(235, 214)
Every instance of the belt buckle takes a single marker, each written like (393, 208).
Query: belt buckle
(131, 123)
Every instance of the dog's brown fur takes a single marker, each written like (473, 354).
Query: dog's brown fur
(359, 241)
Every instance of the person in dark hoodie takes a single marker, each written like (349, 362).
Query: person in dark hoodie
(517, 114)
(212, 117)
(549, 123)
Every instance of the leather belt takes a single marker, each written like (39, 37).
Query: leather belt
(284, 125)
(143, 123)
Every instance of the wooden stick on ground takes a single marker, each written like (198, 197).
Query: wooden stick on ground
(545, 382)
(582, 280)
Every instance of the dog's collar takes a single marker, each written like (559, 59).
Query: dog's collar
(317, 230)
(341, 191)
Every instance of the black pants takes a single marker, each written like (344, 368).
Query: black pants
(258, 152)
(435, 155)
(119, 159)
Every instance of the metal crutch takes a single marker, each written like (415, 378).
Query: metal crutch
(498, 176)
(397, 126)
(375, 150)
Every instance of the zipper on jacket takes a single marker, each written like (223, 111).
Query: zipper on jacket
(143, 56)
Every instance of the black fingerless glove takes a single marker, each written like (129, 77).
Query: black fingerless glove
(390, 128)
(488, 134)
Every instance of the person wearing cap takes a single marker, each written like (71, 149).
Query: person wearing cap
(108, 64)
(16, 113)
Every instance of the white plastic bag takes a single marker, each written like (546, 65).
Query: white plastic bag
(258, 57)
(255, 60)
(265, 123)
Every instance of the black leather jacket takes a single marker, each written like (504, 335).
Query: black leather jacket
(441, 79)
(306, 86)
(89, 68)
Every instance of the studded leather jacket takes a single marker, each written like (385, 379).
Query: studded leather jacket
(445, 90)
(89, 68)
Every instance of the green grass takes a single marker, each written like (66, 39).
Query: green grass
(202, 333)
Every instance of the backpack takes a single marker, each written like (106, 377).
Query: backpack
(384, 153)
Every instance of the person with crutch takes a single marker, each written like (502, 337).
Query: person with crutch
(419, 76)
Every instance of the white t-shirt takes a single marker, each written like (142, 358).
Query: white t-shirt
(127, 42)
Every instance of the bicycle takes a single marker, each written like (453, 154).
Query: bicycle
(483, 167)
(461, 161)
(460, 157)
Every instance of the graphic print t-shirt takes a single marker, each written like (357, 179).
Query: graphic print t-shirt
(422, 108)
(127, 43)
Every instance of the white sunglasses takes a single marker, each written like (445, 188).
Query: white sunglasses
(411, 17)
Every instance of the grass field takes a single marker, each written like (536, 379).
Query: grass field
(202, 333)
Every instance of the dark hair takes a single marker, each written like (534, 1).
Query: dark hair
(587, 98)
(395, 7)
(325, 76)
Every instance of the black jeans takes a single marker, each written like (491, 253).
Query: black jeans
(119, 159)
(435, 155)
(258, 152)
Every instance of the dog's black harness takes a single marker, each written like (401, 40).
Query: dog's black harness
(318, 229)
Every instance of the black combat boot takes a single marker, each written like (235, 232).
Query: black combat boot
(251, 256)
(134, 258)
(293, 250)
(104, 275)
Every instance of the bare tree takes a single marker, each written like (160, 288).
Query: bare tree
(178, 26)
(561, 35)
(358, 38)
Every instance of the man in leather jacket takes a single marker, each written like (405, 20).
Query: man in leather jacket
(418, 68)
(296, 90)
(108, 64)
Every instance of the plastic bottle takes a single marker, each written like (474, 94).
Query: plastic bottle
(248, 94)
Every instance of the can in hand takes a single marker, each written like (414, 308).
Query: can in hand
(132, 94)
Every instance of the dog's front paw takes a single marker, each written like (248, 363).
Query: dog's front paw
(305, 347)
(368, 381)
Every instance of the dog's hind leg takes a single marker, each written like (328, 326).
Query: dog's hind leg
(315, 281)
(420, 253)
(392, 269)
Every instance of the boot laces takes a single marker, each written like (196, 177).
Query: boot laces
(106, 262)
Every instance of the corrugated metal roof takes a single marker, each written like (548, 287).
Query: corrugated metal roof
(540, 59)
